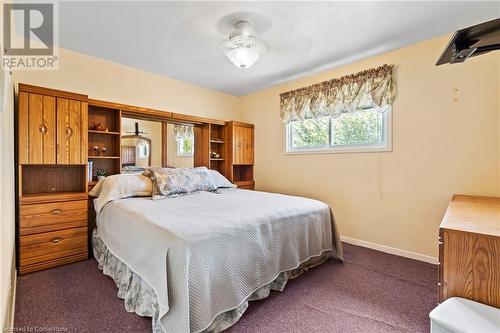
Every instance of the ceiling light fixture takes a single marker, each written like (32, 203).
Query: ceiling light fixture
(242, 48)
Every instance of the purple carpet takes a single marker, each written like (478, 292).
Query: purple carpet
(370, 292)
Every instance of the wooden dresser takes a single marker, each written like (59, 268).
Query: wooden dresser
(52, 178)
(469, 250)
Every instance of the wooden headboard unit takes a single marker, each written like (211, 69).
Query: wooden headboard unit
(54, 145)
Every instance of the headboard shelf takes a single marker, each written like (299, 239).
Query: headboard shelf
(37, 179)
(108, 118)
(108, 136)
(103, 157)
(104, 132)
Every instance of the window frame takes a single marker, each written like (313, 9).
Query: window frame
(385, 146)
(180, 142)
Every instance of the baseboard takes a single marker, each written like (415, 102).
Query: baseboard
(391, 250)
(11, 303)
(12, 300)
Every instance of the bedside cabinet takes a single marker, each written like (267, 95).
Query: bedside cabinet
(52, 234)
(469, 250)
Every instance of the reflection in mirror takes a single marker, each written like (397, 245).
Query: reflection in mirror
(141, 144)
(147, 143)
(180, 146)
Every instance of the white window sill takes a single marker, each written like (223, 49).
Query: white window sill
(347, 150)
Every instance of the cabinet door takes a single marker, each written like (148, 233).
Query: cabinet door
(37, 129)
(238, 145)
(247, 145)
(242, 145)
(71, 119)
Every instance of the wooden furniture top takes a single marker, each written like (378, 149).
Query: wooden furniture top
(130, 110)
(479, 215)
(27, 199)
(153, 114)
(52, 92)
(241, 124)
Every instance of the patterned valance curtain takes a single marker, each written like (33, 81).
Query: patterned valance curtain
(183, 132)
(372, 88)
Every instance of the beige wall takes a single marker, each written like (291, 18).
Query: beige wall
(101, 79)
(7, 224)
(153, 130)
(445, 141)
(172, 157)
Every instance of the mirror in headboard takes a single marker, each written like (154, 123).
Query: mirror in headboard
(140, 143)
(149, 143)
(180, 146)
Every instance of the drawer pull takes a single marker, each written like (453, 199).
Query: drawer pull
(56, 211)
(56, 240)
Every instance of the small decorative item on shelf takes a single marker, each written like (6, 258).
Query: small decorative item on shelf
(96, 148)
(214, 154)
(101, 174)
(103, 149)
(97, 127)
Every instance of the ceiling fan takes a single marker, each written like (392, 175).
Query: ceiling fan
(242, 48)
(137, 132)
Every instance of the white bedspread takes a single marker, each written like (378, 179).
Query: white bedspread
(205, 253)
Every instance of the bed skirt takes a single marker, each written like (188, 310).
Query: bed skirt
(139, 297)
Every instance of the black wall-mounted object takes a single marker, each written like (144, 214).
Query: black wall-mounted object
(472, 41)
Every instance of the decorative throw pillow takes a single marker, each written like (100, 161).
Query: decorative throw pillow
(219, 180)
(175, 182)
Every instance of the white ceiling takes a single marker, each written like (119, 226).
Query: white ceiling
(181, 39)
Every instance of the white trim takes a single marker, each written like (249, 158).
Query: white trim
(365, 149)
(13, 289)
(179, 141)
(391, 250)
(8, 324)
(385, 146)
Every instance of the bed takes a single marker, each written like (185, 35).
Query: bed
(193, 262)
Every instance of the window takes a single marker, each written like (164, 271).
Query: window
(184, 147)
(361, 131)
(143, 148)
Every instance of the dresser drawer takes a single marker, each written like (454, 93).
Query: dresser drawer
(47, 246)
(52, 216)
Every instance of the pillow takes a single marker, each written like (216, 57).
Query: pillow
(120, 186)
(132, 169)
(219, 180)
(96, 190)
(175, 182)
